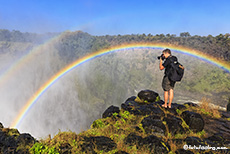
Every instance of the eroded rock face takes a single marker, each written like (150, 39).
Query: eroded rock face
(174, 124)
(183, 151)
(148, 95)
(153, 125)
(26, 138)
(110, 111)
(156, 122)
(141, 109)
(216, 139)
(228, 106)
(193, 120)
(152, 142)
(194, 141)
(1, 126)
(133, 139)
(99, 142)
(10, 143)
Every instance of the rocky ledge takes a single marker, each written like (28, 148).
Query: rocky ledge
(140, 125)
(178, 126)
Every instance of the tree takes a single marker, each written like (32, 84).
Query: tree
(185, 34)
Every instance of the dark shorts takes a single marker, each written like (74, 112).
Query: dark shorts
(167, 84)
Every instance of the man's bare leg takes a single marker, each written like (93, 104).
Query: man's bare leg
(170, 97)
(166, 95)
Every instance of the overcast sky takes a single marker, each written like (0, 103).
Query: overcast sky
(112, 17)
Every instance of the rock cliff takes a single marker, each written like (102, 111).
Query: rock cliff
(140, 125)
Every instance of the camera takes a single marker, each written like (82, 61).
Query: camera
(162, 57)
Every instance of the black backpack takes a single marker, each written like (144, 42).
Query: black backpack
(176, 70)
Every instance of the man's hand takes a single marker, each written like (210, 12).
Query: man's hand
(160, 65)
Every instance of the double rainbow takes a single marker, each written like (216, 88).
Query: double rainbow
(29, 104)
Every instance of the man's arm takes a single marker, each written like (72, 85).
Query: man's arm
(160, 65)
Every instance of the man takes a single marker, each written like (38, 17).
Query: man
(167, 85)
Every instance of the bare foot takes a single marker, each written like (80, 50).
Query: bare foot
(164, 105)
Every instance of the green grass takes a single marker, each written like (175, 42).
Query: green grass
(118, 128)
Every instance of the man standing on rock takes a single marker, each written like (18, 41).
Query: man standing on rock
(167, 84)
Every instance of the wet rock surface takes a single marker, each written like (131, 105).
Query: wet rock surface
(11, 139)
(228, 106)
(152, 143)
(156, 123)
(148, 95)
(141, 109)
(98, 142)
(183, 151)
(153, 125)
(193, 120)
(110, 111)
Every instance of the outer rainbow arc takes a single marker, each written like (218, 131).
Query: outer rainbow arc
(73, 65)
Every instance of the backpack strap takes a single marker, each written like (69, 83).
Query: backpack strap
(171, 59)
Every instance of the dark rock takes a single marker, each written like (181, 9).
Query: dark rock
(1, 125)
(227, 143)
(208, 152)
(191, 104)
(225, 114)
(98, 142)
(88, 148)
(26, 139)
(148, 95)
(193, 120)
(228, 106)
(216, 139)
(208, 142)
(194, 141)
(183, 151)
(131, 98)
(153, 125)
(121, 152)
(174, 107)
(172, 110)
(161, 102)
(178, 141)
(3, 137)
(178, 106)
(10, 150)
(138, 129)
(110, 111)
(130, 106)
(138, 109)
(10, 142)
(132, 139)
(227, 126)
(174, 124)
(155, 145)
(149, 109)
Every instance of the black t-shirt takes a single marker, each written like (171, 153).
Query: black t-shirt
(167, 62)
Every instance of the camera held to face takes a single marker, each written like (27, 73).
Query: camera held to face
(162, 57)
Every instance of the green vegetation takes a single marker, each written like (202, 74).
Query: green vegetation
(206, 109)
(117, 129)
(41, 148)
(132, 72)
(108, 80)
(217, 46)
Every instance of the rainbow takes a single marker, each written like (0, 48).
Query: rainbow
(25, 59)
(195, 53)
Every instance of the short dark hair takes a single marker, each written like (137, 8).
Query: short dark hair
(167, 51)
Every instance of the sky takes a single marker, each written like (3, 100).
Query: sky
(113, 17)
